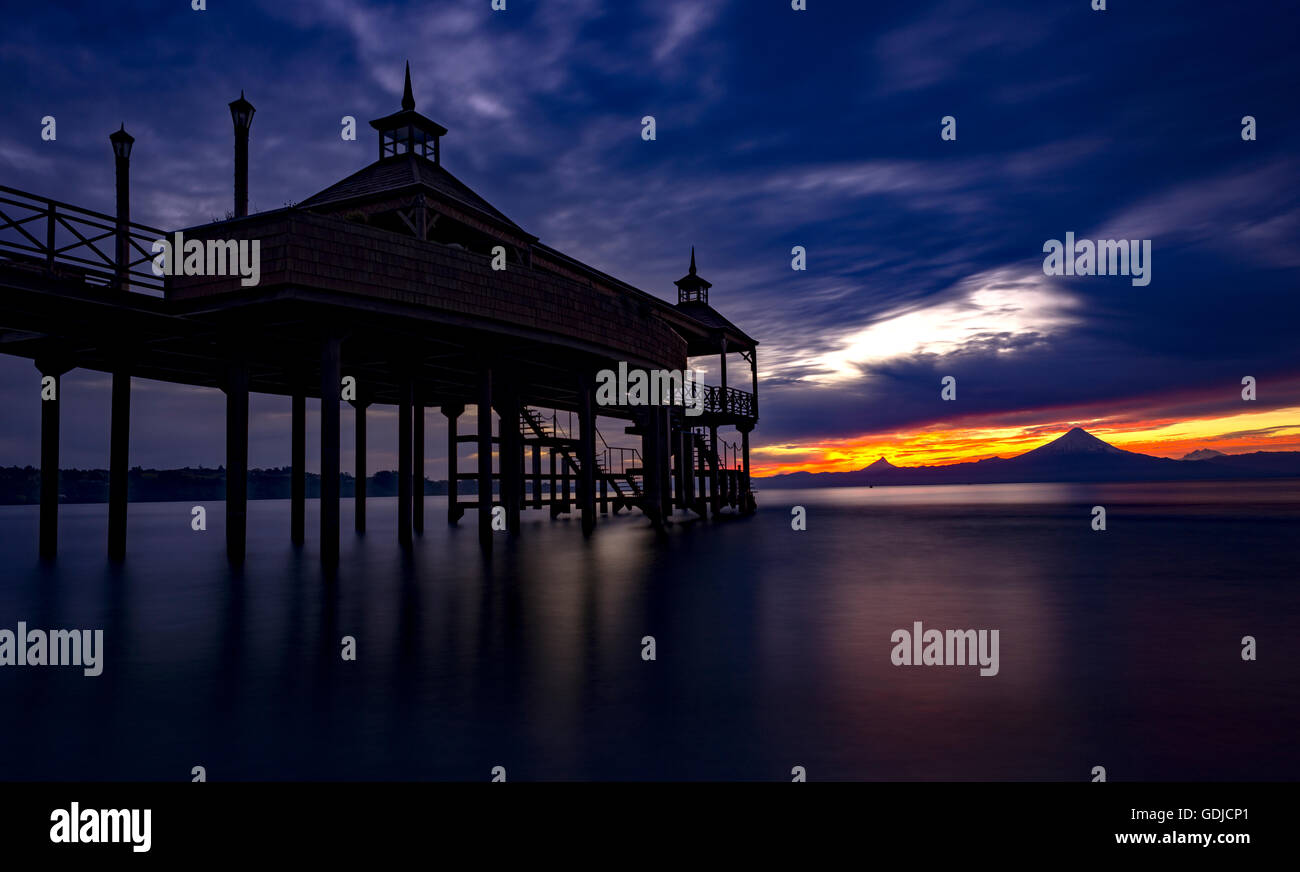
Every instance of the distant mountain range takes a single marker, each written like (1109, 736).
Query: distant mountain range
(1075, 456)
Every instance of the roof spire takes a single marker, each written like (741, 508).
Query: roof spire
(408, 99)
(692, 288)
(407, 131)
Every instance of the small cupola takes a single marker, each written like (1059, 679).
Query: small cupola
(690, 287)
(407, 131)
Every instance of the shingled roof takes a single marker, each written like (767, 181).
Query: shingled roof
(405, 173)
(711, 317)
(410, 163)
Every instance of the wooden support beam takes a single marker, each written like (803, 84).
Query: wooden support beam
(405, 389)
(744, 447)
(417, 467)
(49, 544)
(455, 510)
(118, 457)
(330, 378)
(566, 464)
(509, 456)
(537, 475)
(298, 469)
(521, 463)
(555, 483)
(723, 358)
(753, 376)
(715, 493)
(51, 397)
(236, 458)
(702, 483)
(359, 464)
(411, 225)
(665, 453)
(686, 459)
(679, 457)
(587, 452)
(485, 457)
(651, 446)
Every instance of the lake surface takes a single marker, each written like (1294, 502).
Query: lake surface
(1119, 648)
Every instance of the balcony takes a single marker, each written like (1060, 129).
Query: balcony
(728, 402)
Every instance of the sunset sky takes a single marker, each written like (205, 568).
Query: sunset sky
(955, 442)
(924, 256)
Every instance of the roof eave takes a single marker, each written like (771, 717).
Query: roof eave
(409, 117)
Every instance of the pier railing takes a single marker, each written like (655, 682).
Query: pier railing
(610, 459)
(713, 400)
(729, 401)
(71, 242)
(617, 459)
(729, 456)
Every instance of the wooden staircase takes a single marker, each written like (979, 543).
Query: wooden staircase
(728, 479)
(625, 490)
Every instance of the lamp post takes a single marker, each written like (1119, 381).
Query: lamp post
(241, 113)
(119, 427)
(122, 142)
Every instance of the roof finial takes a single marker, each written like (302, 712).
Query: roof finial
(692, 260)
(408, 99)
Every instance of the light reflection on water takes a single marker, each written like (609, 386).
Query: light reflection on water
(1118, 648)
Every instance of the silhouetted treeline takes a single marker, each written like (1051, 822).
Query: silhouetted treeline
(22, 484)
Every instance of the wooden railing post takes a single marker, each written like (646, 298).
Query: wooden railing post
(49, 236)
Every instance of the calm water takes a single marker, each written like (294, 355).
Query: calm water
(1117, 648)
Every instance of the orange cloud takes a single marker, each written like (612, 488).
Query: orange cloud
(1267, 430)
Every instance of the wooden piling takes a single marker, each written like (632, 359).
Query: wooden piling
(404, 402)
(454, 510)
(359, 465)
(686, 458)
(118, 457)
(651, 445)
(298, 469)
(330, 378)
(555, 484)
(236, 460)
(509, 457)
(665, 453)
(566, 464)
(417, 467)
(537, 475)
(49, 535)
(587, 453)
(682, 470)
(715, 473)
(485, 457)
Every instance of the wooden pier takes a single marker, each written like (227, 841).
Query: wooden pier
(391, 277)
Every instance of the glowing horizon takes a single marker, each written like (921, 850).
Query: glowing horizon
(942, 445)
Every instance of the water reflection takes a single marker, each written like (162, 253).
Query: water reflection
(1119, 648)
